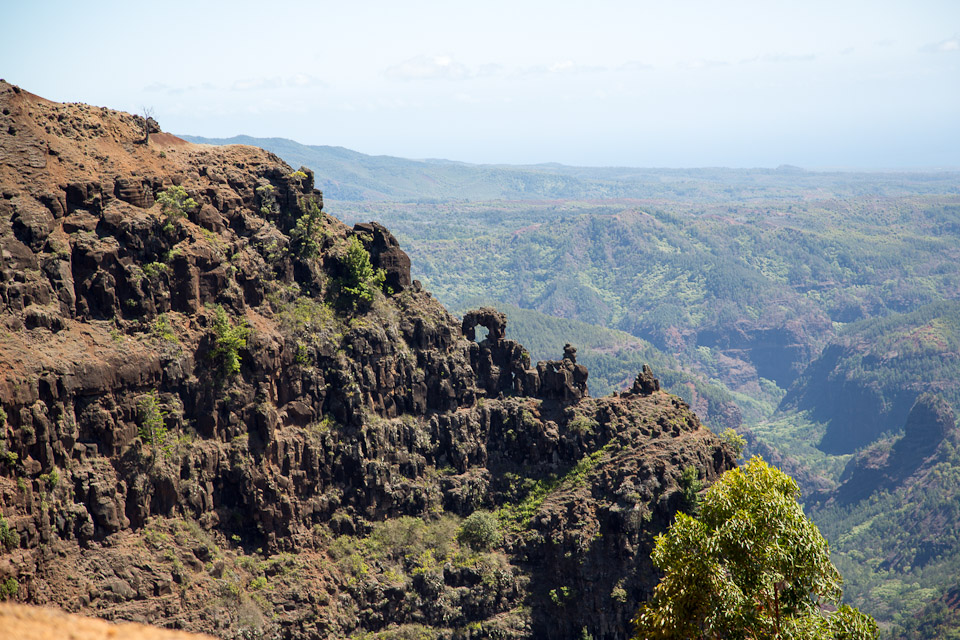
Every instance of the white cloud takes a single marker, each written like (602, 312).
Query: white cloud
(777, 58)
(429, 68)
(704, 64)
(561, 67)
(944, 46)
(255, 84)
(296, 81)
(635, 65)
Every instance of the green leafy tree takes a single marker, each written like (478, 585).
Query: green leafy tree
(359, 279)
(750, 566)
(175, 203)
(480, 531)
(151, 426)
(228, 339)
(306, 236)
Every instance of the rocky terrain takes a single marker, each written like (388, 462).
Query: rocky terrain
(225, 411)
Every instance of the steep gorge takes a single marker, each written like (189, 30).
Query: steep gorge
(321, 489)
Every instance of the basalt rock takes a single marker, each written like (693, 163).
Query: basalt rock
(386, 254)
(197, 435)
(645, 383)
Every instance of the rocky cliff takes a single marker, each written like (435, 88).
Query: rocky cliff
(225, 411)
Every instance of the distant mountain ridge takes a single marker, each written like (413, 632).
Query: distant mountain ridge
(346, 175)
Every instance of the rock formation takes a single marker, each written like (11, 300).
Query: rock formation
(198, 433)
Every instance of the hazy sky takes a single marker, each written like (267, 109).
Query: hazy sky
(872, 83)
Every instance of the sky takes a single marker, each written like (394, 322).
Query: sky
(872, 84)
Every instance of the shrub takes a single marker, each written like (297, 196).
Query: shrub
(228, 339)
(162, 330)
(305, 237)
(9, 538)
(51, 479)
(583, 425)
(690, 485)
(176, 204)
(9, 588)
(268, 199)
(359, 280)
(736, 441)
(480, 531)
(299, 176)
(152, 429)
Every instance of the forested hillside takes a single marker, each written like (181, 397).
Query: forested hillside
(810, 310)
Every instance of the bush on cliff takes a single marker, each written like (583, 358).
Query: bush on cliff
(306, 236)
(751, 566)
(360, 279)
(228, 339)
(480, 531)
(175, 203)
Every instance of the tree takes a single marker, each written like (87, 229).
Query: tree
(228, 339)
(176, 203)
(750, 566)
(359, 279)
(147, 122)
(306, 236)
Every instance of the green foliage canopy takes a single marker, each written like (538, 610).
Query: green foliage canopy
(359, 279)
(480, 531)
(175, 203)
(305, 237)
(228, 339)
(151, 426)
(752, 565)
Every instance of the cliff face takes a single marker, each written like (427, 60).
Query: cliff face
(325, 485)
(892, 462)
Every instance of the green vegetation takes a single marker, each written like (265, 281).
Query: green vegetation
(153, 270)
(175, 203)
(900, 549)
(306, 237)
(161, 329)
(151, 426)
(736, 441)
(690, 487)
(751, 566)
(400, 550)
(359, 280)
(51, 478)
(515, 516)
(266, 194)
(869, 376)
(937, 620)
(9, 588)
(9, 538)
(480, 531)
(228, 339)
